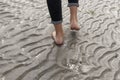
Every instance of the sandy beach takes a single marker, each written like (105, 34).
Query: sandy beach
(28, 52)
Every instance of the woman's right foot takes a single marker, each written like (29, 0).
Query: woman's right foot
(74, 26)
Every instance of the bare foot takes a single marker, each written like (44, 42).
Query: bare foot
(74, 26)
(58, 39)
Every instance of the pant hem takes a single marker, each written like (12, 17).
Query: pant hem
(72, 4)
(56, 22)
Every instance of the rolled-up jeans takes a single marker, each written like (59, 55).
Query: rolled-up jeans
(55, 9)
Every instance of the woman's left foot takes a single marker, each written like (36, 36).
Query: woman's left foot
(58, 38)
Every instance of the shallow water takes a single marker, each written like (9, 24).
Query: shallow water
(27, 51)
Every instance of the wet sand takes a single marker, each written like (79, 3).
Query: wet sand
(27, 51)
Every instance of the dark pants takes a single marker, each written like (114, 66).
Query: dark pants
(55, 9)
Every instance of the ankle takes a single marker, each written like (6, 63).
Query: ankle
(73, 21)
(60, 33)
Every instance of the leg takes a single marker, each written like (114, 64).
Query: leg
(55, 10)
(73, 4)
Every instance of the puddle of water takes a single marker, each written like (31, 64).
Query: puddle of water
(86, 68)
(3, 78)
(2, 41)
